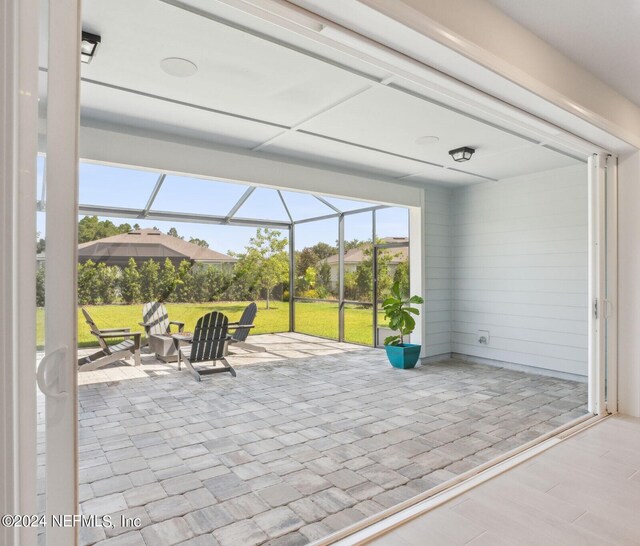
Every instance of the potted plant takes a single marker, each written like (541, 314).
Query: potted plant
(400, 313)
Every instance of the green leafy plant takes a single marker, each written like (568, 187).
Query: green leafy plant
(399, 312)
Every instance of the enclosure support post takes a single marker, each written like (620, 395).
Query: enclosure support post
(374, 264)
(341, 277)
(292, 277)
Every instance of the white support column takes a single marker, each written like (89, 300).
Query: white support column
(18, 152)
(417, 280)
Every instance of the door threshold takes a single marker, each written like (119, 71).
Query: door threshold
(380, 524)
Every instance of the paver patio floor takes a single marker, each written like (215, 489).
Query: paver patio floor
(306, 440)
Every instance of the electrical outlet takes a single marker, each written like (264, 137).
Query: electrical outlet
(483, 337)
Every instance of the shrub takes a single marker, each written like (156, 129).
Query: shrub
(184, 289)
(130, 283)
(311, 294)
(168, 281)
(218, 282)
(107, 282)
(40, 287)
(88, 292)
(149, 280)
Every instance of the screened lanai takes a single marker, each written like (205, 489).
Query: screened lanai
(364, 245)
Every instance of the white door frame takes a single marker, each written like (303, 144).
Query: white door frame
(611, 288)
(18, 22)
(57, 373)
(18, 152)
(596, 184)
(602, 390)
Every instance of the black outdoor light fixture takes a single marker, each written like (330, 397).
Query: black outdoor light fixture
(462, 154)
(89, 46)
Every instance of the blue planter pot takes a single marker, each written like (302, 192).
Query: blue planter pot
(403, 356)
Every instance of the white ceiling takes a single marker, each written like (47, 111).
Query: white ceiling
(602, 36)
(255, 94)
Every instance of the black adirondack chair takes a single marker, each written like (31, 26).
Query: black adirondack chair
(129, 346)
(157, 327)
(209, 345)
(241, 330)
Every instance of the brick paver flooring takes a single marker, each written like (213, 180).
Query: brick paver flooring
(296, 447)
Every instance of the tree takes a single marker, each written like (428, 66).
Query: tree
(350, 285)
(314, 257)
(107, 282)
(364, 279)
(184, 289)
(364, 273)
(92, 229)
(168, 281)
(324, 250)
(310, 276)
(40, 244)
(200, 290)
(218, 282)
(174, 233)
(130, 282)
(353, 243)
(305, 259)
(199, 242)
(149, 276)
(40, 287)
(401, 276)
(264, 264)
(323, 279)
(88, 293)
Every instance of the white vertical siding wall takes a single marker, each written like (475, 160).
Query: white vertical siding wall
(520, 270)
(438, 271)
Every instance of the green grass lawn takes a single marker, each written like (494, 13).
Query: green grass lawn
(320, 319)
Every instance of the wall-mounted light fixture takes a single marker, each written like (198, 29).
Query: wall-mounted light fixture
(89, 46)
(462, 154)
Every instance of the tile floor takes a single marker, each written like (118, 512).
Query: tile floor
(585, 490)
(310, 437)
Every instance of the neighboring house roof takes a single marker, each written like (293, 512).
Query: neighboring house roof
(143, 244)
(358, 255)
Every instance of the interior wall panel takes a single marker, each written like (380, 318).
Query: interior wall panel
(520, 270)
(438, 272)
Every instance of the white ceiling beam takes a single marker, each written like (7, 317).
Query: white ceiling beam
(233, 164)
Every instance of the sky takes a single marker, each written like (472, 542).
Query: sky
(130, 188)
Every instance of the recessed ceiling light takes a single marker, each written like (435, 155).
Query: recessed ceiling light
(426, 140)
(181, 68)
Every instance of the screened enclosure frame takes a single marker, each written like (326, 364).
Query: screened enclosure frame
(231, 218)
